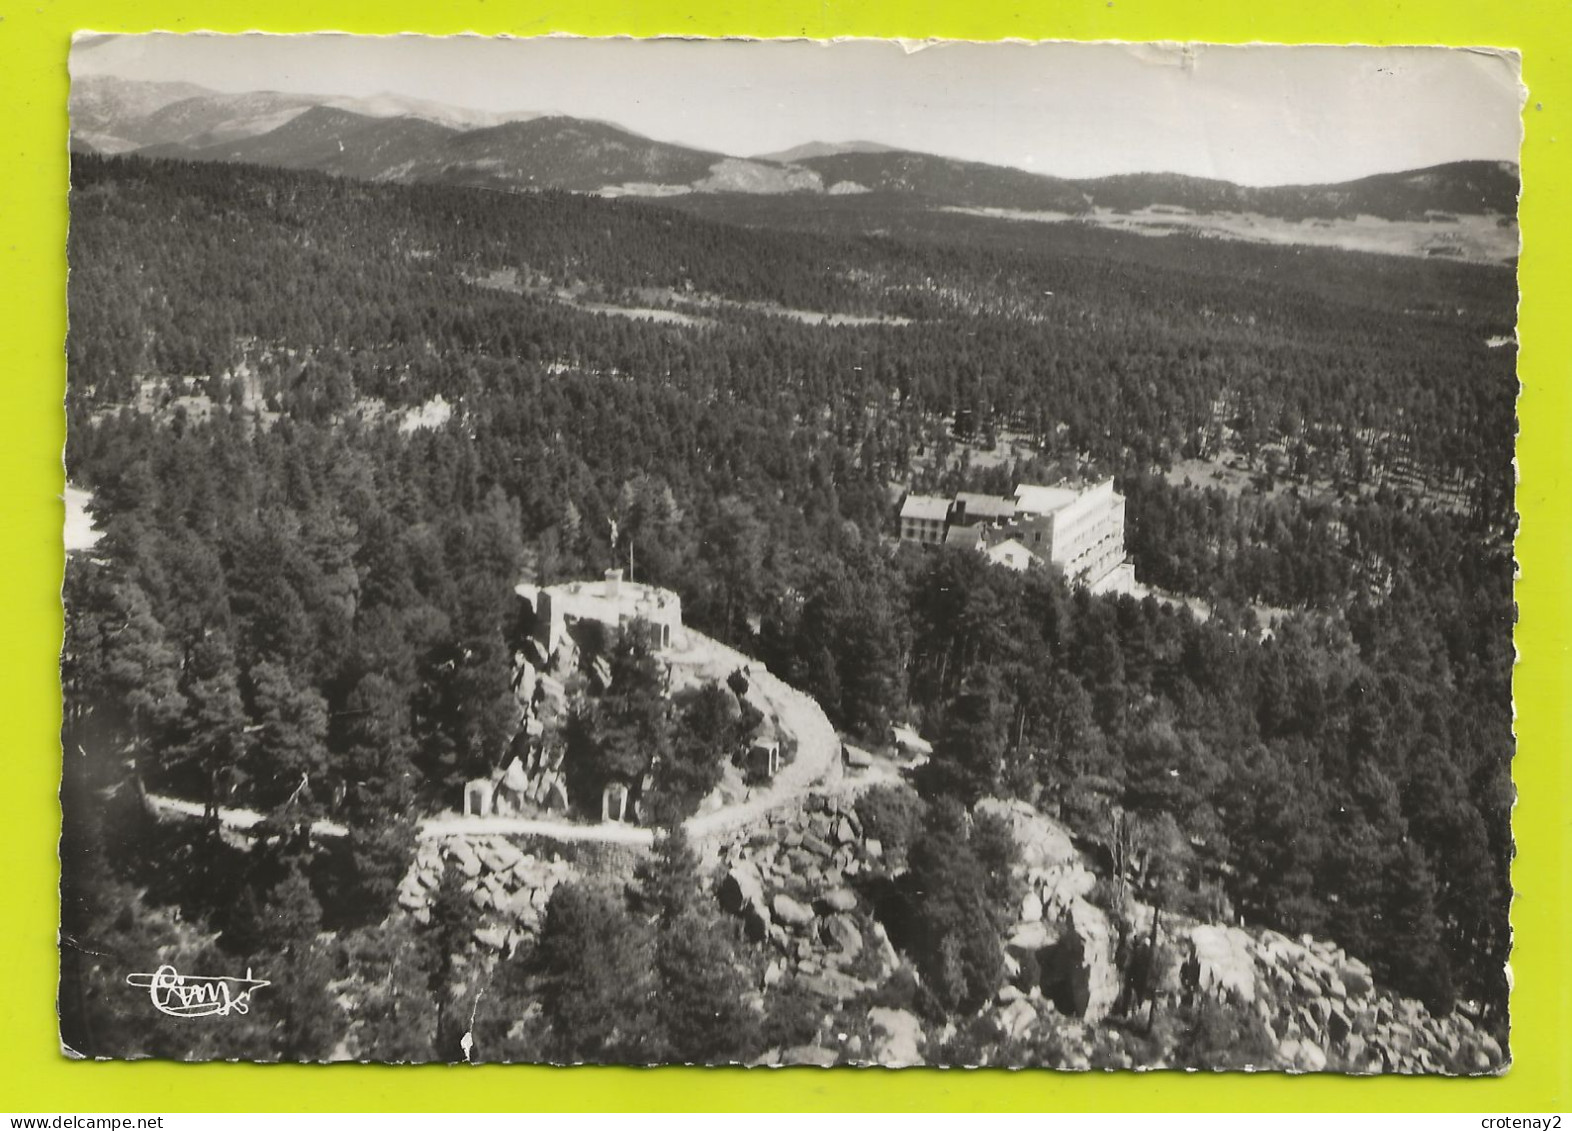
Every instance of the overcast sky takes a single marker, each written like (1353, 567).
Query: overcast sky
(1253, 115)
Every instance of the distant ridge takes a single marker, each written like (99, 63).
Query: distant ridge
(196, 117)
(824, 149)
(392, 137)
(1472, 187)
(329, 140)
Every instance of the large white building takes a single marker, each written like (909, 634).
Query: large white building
(1082, 531)
(1079, 530)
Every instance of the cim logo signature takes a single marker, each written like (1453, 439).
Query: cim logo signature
(197, 995)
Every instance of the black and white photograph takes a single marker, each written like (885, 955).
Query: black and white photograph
(789, 553)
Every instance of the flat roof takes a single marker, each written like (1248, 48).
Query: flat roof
(1044, 500)
(929, 507)
(589, 598)
(986, 506)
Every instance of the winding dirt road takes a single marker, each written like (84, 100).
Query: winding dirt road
(817, 764)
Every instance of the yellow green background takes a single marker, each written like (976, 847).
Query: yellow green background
(34, 40)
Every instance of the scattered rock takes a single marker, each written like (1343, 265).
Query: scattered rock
(844, 832)
(494, 937)
(1355, 978)
(1012, 966)
(1302, 1055)
(787, 910)
(897, 1037)
(887, 956)
(842, 933)
(840, 899)
(1222, 963)
(411, 900)
(756, 923)
(463, 855)
(1029, 938)
(1338, 1025)
(810, 1055)
(498, 856)
(801, 860)
(741, 889)
(832, 984)
(1017, 1018)
(1060, 886)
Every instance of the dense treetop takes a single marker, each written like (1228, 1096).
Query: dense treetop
(301, 606)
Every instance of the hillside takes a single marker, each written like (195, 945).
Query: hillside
(559, 152)
(941, 180)
(798, 153)
(174, 118)
(1467, 187)
(526, 152)
(332, 141)
(305, 576)
(216, 119)
(104, 107)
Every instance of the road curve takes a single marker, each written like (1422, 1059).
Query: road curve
(817, 763)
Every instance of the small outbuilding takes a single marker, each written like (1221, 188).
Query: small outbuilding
(614, 802)
(763, 759)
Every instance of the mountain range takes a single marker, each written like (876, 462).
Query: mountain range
(395, 138)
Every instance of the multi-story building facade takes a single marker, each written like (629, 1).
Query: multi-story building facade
(924, 518)
(1080, 531)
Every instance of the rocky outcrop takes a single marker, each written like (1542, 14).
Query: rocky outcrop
(795, 878)
(1222, 963)
(508, 886)
(788, 912)
(1325, 1011)
(1043, 843)
(897, 1037)
(742, 890)
(1077, 971)
(1320, 1006)
(792, 880)
(1064, 946)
